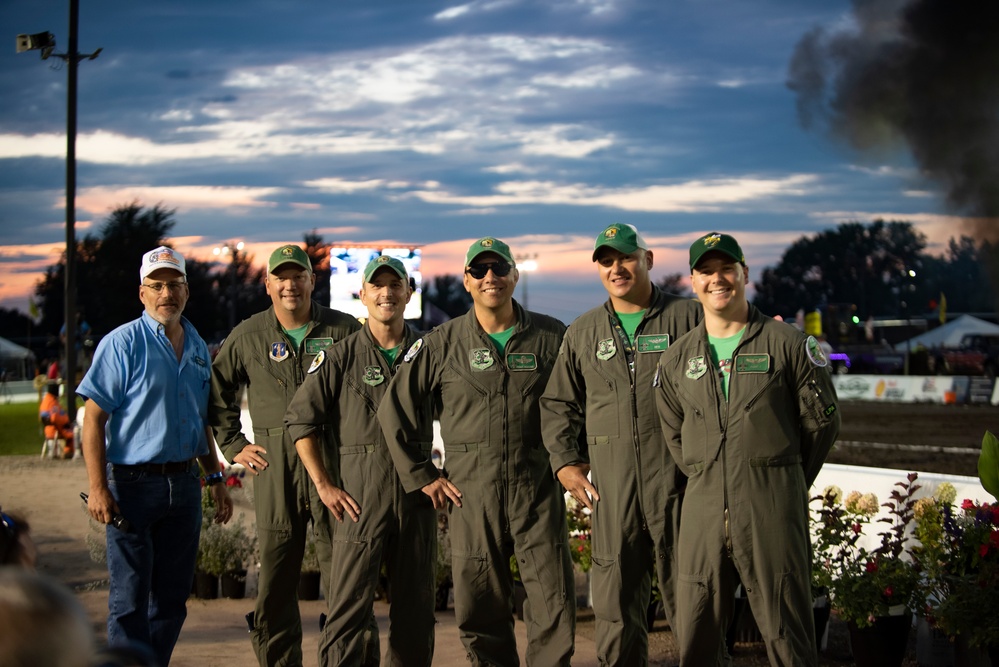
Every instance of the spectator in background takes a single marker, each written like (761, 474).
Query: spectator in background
(16, 545)
(55, 420)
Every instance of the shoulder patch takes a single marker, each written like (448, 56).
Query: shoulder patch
(413, 350)
(815, 353)
(318, 361)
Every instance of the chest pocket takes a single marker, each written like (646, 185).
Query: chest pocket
(771, 427)
(465, 403)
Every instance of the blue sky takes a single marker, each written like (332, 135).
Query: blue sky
(435, 123)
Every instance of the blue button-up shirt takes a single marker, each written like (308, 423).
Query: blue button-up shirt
(157, 405)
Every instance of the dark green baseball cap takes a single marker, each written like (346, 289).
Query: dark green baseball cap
(489, 244)
(624, 238)
(386, 262)
(288, 254)
(714, 241)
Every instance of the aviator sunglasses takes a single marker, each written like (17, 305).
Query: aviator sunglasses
(479, 270)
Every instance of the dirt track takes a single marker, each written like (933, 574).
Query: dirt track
(929, 425)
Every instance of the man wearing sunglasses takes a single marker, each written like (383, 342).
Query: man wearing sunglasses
(485, 372)
(601, 388)
(268, 355)
(144, 428)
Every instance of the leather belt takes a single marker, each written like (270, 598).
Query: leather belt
(171, 468)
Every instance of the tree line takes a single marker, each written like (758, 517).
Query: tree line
(879, 269)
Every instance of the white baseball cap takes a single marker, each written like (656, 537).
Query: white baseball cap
(161, 258)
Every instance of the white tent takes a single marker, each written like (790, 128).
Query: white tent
(950, 334)
(18, 361)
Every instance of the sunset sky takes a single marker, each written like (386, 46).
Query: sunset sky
(435, 123)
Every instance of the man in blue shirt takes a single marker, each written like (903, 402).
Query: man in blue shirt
(146, 405)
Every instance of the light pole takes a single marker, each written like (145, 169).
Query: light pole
(231, 249)
(526, 263)
(45, 42)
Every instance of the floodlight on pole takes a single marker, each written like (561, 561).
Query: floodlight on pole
(45, 42)
(526, 264)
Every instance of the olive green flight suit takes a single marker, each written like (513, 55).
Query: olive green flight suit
(750, 462)
(259, 356)
(343, 393)
(511, 504)
(594, 392)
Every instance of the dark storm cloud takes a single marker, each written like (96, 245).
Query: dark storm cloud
(923, 71)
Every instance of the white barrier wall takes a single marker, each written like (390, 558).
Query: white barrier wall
(917, 388)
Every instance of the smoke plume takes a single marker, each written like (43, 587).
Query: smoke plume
(923, 72)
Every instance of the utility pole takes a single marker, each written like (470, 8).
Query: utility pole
(45, 42)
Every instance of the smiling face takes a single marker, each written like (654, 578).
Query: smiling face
(290, 288)
(626, 277)
(491, 291)
(386, 296)
(719, 283)
(167, 305)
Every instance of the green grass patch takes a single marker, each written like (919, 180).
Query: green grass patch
(19, 430)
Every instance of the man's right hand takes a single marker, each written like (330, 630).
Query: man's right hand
(101, 505)
(440, 491)
(250, 458)
(339, 502)
(573, 478)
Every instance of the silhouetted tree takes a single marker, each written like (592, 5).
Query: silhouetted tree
(878, 267)
(672, 283)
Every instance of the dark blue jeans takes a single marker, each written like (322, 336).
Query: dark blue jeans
(152, 565)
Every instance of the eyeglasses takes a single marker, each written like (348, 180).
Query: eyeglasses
(479, 271)
(175, 286)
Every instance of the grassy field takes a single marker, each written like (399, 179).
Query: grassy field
(19, 432)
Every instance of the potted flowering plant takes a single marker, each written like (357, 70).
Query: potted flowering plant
(959, 556)
(863, 583)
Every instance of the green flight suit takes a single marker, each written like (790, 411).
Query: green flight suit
(511, 504)
(594, 392)
(259, 356)
(343, 393)
(750, 462)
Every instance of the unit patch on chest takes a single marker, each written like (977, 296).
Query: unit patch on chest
(752, 363)
(317, 345)
(652, 343)
(373, 375)
(279, 351)
(480, 358)
(521, 362)
(696, 367)
(606, 349)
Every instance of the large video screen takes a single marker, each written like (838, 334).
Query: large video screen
(346, 266)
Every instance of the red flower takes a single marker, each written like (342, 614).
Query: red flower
(872, 566)
(888, 591)
(856, 528)
(968, 504)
